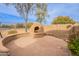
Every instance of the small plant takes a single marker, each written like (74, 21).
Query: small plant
(74, 46)
(12, 32)
(68, 26)
(29, 25)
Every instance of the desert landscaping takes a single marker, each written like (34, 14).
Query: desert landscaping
(39, 29)
(42, 42)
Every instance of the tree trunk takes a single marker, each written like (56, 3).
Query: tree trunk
(26, 23)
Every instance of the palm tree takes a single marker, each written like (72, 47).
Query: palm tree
(41, 12)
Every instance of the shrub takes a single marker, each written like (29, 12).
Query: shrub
(6, 26)
(12, 32)
(74, 46)
(29, 25)
(63, 20)
(19, 25)
(68, 26)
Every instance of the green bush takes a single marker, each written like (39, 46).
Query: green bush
(12, 32)
(6, 26)
(19, 25)
(63, 20)
(74, 46)
(29, 25)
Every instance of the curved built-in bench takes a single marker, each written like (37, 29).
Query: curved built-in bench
(13, 37)
(63, 34)
(3, 49)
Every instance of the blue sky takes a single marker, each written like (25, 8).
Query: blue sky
(10, 15)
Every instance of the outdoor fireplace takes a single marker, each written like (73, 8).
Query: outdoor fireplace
(36, 29)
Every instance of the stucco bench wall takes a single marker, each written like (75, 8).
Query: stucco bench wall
(62, 34)
(3, 49)
(7, 39)
(66, 35)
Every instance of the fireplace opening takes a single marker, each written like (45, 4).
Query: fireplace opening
(36, 29)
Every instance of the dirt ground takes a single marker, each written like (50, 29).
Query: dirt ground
(44, 46)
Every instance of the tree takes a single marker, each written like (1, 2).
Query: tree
(23, 9)
(63, 20)
(41, 12)
(19, 25)
(6, 26)
(0, 24)
(29, 24)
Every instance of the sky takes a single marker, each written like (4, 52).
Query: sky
(9, 14)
